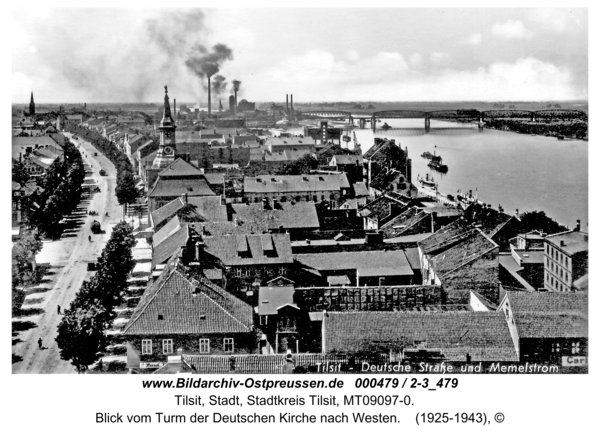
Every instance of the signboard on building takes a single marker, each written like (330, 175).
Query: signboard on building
(574, 361)
(151, 365)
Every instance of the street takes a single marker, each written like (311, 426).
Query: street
(66, 260)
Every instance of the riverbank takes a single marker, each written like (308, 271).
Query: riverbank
(571, 129)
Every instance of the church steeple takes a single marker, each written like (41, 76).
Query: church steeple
(31, 106)
(166, 150)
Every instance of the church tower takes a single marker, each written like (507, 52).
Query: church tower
(166, 149)
(31, 106)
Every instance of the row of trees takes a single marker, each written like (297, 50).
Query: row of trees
(60, 190)
(23, 263)
(82, 332)
(568, 128)
(126, 191)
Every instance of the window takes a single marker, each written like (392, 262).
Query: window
(204, 346)
(228, 345)
(167, 346)
(575, 348)
(556, 347)
(238, 271)
(146, 346)
(282, 271)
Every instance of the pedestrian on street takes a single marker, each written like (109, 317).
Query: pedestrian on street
(58, 309)
(40, 343)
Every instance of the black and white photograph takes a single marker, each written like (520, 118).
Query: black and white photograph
(239, 192)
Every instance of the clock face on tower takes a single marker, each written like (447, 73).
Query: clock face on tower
(168, 150)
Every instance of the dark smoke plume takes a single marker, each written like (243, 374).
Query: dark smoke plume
(236, 85)
(206, 63)
(218, 83)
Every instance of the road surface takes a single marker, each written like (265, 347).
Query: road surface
(67, 259)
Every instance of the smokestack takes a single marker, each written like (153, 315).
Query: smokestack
(287, 105)
(292, 105)
(578, 227)
(209, 95)
(175, 109)
(235, 101)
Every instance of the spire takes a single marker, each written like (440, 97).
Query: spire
(31, 105)
(167, 118)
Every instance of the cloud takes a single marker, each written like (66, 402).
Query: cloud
(415, 60)
(512, 29)
(554, 20)
(319, 76)
(474, 39)
(438, 58)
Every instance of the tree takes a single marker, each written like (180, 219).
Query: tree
(114, 265)
(539, 221)
(81, 336)
(126, 190)
(24, 251)
(20, 175)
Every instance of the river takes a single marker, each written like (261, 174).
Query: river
(513, 170)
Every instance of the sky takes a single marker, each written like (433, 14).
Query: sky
(380, 54)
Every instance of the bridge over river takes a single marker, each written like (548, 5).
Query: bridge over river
(466, 116)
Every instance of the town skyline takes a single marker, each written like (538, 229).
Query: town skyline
(418, 55)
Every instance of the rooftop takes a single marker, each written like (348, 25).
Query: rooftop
(483, 335)
(574, 241)
(364, 260)
(272, 298)
(295, 183)
(176, 304)
(297, 215)
(250, 249)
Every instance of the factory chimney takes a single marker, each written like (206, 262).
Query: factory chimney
(235, 100)
(292, 106)
(287, 105)
(175, 109)
(209, 95)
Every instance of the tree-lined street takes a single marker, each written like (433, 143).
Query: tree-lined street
(65, 261)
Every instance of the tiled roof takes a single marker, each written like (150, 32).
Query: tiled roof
(446, 237)
(556, 325)
(380, 207)
(376, 148)
(177, 186)
(180, 168)
(272, 298)
(549, 314)
(291, 141)
(210, 208)
(293, 183)
(172, 226)
(459, 255)
(489, 219)
(171, 244)
(483, 335)
(166, 211)
(348, 159)
(226, 249)
(575, 241)
(354, 260)
(175, 304)
(548, 302)
(298, 215)
(404, 222)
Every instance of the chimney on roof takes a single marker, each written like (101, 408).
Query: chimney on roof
(500, 209)
(562, 243)
(184, 198)
(199, 249)
(433, 221)
(578, 227)
(517, 213)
